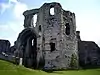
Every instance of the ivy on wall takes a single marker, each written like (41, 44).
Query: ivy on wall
(74, 61)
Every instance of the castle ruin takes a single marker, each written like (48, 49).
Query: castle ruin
(54, 42)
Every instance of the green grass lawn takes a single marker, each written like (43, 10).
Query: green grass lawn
(7, 68)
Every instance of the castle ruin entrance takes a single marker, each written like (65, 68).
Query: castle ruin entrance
(30, 53)
(28, 39)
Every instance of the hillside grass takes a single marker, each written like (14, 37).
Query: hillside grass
(7, 68)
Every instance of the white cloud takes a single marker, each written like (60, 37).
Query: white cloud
(13, 1)
(10, 30)
(19, 8)
(4, 6)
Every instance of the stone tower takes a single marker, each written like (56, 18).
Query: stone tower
(57, 43)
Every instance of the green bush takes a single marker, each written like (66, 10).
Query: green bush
(74, 61)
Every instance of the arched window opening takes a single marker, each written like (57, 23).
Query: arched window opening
(67, 28)
(52, 11)
(34, 20)
(39, 28)
(52, 46)
(32, 42)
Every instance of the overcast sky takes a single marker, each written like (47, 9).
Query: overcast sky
(87, 17)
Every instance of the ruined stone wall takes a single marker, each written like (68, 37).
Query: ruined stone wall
(56, 44)
(88, 54)
(69, 38)
(51, 29)
(4, 46)
(29, 15)
(5, 52)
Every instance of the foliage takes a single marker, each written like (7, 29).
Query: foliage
(74, 62)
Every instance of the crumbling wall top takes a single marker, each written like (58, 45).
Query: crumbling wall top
(68, 13)
(31, 12)
(51, 4)
(34, 11)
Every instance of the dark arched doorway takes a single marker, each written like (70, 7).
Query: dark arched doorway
(26, 44)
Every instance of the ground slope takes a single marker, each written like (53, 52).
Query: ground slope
(7, 68)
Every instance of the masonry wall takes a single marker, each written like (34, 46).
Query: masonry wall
(54, 46)
(4, 46)
(69, 39)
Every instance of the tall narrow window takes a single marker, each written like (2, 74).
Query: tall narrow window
(34, 20)
(32, 42)
(52, 11)
(67, 28)
(40, 28)
(52, 46)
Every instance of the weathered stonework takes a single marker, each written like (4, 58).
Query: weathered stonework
(5, 51)
(4, 46)
(89, 53)
(55, 43)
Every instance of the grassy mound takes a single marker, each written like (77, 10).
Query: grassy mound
(7, 68)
